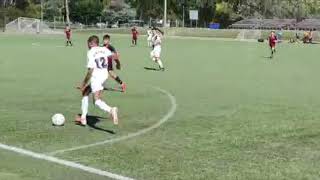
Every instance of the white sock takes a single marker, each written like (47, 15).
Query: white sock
(103, 106)
(84, 106)
(160, 63)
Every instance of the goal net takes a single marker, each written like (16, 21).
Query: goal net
(28, 25)
(247, 34)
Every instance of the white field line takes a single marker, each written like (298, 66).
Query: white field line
(35, 44)
(132, 135)
(63, 162)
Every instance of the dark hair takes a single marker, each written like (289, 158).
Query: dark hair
(157, 29)
(93, 39)
(107, 36)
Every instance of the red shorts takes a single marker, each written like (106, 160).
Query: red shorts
(134, 37)
(68, 36)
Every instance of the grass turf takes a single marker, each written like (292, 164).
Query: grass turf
(240, 115)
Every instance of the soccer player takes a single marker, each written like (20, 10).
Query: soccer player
(98, 67)
(67, 31)
(135, 34)
(156, 52)
(150, 34)
(272, 43)
(115, 57)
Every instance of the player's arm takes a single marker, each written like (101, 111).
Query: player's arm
(118, 64)
(115, 56)
(110, 67)
(86, 79)
(90, 66)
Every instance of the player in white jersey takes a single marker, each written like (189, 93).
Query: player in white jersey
(156, 52)
(149, 39)
(99, 62)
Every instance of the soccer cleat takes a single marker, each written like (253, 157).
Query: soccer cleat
(162, 69)
(123, 87)
(81, 121)
(114, 115)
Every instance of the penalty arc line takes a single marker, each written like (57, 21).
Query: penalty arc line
(63, 162)
(132, 135)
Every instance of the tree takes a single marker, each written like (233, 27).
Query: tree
(66, 5)
(86, 11)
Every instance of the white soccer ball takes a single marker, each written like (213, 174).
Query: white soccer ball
(58, 120)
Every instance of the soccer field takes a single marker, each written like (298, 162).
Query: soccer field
(221, 110)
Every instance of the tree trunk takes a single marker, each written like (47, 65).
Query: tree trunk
(66, 5)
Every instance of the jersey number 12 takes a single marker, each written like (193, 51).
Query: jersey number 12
(101, 63)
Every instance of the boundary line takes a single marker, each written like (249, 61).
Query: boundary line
(131, 135)
(63, 162)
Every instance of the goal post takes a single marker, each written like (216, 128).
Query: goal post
(249, 34)
(28, 26)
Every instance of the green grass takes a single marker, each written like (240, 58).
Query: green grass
(240, 115)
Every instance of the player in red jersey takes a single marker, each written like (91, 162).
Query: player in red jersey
(272, 43)
(67, 31)
(115, 57)
(135, 34)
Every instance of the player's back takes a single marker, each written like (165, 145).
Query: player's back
(157, 41)
(98, 58)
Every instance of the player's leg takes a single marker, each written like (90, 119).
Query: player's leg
(113, 111)
(159, 62)
(272, 51)
(70, 42)
(135, 41)
(84, 106)
(158, 59)
(97, 89)
(118, 80)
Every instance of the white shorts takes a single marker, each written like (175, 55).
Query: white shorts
(96, 83)
(149, 38)
(156, 52)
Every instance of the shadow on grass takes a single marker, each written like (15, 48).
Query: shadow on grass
(151, 69)
(266, 57)
(112, 89)
(92, 122)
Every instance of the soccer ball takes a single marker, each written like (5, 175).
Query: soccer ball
(58, 120)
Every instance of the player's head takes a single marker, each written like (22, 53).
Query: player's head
(273, 33)
(106, 39)
(93, 41)
(160, 32)
(154, 30)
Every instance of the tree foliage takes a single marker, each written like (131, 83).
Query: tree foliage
(223, 11)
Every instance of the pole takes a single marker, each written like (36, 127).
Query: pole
(165, 14)
(183, 15)
(67, 12)
(41, 13)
